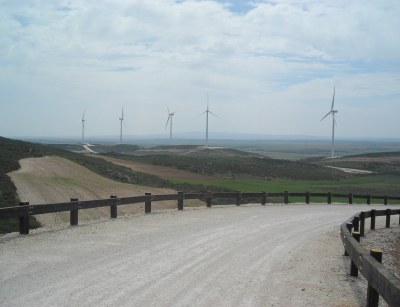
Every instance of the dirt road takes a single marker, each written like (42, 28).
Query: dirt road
(253, 255)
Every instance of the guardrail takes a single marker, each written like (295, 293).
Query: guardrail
(25, 210)
(380, 280)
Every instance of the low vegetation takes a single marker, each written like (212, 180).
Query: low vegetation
(232, 166)
(232, 170)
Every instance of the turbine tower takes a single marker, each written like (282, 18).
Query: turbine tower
(333, 112)
(83, 126)
(121, 120)
(170, 116)
(207, 112)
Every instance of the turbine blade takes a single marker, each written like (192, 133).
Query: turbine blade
(214, 114)
(333, 99)
(167, 122)
(334, 122)
(83, 115)
(169, 112)
(326, 115)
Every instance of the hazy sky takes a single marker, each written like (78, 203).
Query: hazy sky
(269, 66)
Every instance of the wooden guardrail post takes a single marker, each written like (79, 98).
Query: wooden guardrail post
(388, 213)
(362, 223)
(372, 294)
(356, 223)
(368, 199)
(264, 198)
(73, 214)
(24, 220)
(307, 198)
(373, 214)
(208, 201)
(329, 198)
(385, 200)
(286, 197)
(147, 203)
(180, 200)
(353, 267)
(350, 198)
(349, 226)
(113, 208)
(238, 198)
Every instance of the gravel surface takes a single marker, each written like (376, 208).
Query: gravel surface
(253, 255)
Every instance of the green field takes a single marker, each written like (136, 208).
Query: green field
(374, 185)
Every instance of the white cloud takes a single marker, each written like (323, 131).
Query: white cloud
(276, 58)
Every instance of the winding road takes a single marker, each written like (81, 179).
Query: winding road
(252, 255)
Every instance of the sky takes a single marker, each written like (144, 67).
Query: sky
(269, 67)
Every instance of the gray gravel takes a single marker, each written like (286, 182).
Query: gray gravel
(277, 255)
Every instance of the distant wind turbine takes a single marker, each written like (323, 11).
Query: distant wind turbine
(121, 120)
(333, 112)
(83, 126)
(170, 116)
(207, 112)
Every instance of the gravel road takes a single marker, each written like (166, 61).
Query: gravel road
(252, 255)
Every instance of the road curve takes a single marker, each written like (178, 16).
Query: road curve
(275, 255)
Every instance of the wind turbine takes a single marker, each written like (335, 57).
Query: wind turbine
(83, 126)
(170, 116)
(207, 112)
(333, 112)
(121, 120)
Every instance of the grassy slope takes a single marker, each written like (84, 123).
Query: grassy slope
(253, 174)
(232, 165)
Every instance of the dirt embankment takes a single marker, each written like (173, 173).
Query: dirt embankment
(157, 170)
(54, 180)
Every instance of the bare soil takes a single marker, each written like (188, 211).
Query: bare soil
(54, 180)
(157, 170)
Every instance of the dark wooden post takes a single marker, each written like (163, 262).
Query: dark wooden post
(349, 226)
(238, 198)
(356, 223)
(362, 223)
(330, 198)
(373, 213)
(24, 220)
(147, 203)
(180, 200)
(353, 267)
(372, 294)
(264, 198)
(368, 199)
(208, 200)
(113, 208)
(388, 213)
(385, 200)
(73, 214)
(286, 197)
(307, 198)
(350, 198)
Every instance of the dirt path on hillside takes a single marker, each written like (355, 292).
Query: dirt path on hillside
(275, 255)
(55, 180)
(157, 170)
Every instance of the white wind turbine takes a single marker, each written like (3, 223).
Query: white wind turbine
(207, 112)
(333, 112)
(121, 120)
(170, 116)
(83, 126)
